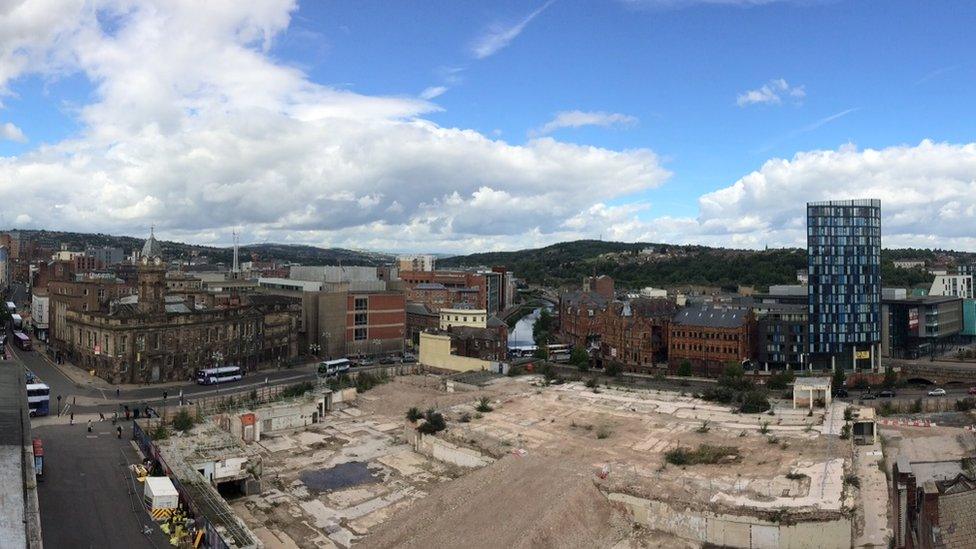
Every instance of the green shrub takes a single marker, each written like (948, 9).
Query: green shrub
(484, 405)
(161, 432)
(414, 414)
(591, 383)
(965, 404)
(613, 368)
(845, 431)
(684, 369)
(297, 389)
(754, 402)
(724, 395)
(433, 423)
(465, 418)
(183, 421)
(603, 432)
(705, 454)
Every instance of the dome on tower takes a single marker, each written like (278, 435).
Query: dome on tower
(151, 249)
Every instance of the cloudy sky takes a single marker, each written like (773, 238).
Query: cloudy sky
(467, 126)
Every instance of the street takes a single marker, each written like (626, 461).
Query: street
(88, 498)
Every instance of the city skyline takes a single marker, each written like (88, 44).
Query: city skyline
(688, 122)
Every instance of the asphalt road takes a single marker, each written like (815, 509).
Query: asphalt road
(63, 385)
(87, 497)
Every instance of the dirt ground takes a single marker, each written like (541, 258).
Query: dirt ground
(393, 399)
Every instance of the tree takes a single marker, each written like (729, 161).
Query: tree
(890, 378)
(839, 377)
(542, 328)
(183, 421)
(684, 369)
(580, 358)
(754, 402)
(613, 368)
(734, 377)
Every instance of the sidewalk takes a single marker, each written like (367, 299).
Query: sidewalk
(874, 530)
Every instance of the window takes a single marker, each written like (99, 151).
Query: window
(361, 303)
(361, 319)
(359, 334)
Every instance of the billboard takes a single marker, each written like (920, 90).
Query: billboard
(913, 320)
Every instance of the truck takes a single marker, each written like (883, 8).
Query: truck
(160, 497)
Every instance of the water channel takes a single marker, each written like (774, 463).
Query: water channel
(521, 335)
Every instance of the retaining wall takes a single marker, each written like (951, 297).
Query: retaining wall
(735, 530)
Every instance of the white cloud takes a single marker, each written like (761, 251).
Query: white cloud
(12, 133)
(499, 36)
(193, 127)
(432, 92)
(577, 119)
(771, 93)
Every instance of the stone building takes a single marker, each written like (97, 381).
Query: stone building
(154, 337)
(580, 315)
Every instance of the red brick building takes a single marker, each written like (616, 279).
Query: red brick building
(375, 322)
(580, 317)
(635, 333)
(420, 318)
(601, 285)
(490, 343)
(934, 503)
(711, 337)
(461, 287)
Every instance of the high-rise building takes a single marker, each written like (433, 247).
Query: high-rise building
(844, 291)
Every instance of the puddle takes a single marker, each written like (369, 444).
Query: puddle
(339, 477)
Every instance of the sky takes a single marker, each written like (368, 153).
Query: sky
(463, 126)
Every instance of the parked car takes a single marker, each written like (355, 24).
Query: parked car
(839, 393)
(937, 392)
(972, 391)
(867, 395)
(409, 358)
(388, 360)
(365, 362)
(887, 393)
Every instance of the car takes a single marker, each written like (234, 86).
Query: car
(388, 360)
(365, 362)
(840, 393)
(409, 358)
(887, 393)
(972, 391)
(867, 395)
(937, 392)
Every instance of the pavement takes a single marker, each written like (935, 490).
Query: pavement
(88, 498)
(874, 497)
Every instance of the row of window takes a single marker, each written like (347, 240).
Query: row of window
(704, 348)
(706, 335)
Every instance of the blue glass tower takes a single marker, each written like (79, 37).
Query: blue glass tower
(844, 292)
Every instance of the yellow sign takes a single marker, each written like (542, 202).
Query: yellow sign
(862, 355)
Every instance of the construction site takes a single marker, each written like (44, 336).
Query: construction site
(522, 463)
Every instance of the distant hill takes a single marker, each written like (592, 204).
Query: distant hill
(308, 255)
(642, 264)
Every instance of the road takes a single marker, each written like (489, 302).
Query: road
(87, 497)
(63, 385)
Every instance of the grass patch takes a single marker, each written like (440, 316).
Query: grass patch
(705, 454)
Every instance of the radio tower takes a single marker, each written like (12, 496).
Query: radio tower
(236, 267)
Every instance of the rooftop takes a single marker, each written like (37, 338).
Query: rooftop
(712, 317)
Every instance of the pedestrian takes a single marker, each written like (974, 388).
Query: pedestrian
(115, 417)
(72, 418)
(89, 425)
(118, 432)
(116, 392)
(101, 416)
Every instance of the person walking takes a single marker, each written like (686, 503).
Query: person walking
(72, 419)
(118, 432)
(116, 392)
(101, 416)
(89, 426)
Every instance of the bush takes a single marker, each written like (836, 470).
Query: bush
(861, 384)
(754, 402)
(161, 432)
(414, 414)
(965, 404)
(591, 383)
(434, 422)
(603, 432)
(297, 390)
(764, 427)
(724, 395)
(839, 378)
(183, 421)
(890, 378)
(852, 480)
(465, 418)
(848, 413)
(613, 368)
(733, 377)
(580, 358)
(484, 405)
(917, 406)
(845, 431)
(684, 369)
(704, 428)
(886, 409)
(779, 382)
(705, 454)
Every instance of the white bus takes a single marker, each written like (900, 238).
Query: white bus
(38, 398)
(210, 376)
(559, 352)
(331, 368)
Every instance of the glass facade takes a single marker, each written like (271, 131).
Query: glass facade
(844, 291)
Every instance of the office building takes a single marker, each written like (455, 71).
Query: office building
(844, 291)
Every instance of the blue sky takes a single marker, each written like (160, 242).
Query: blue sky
(705, 121)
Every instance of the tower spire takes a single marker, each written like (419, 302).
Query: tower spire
(236, 266)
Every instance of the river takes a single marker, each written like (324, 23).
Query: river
(521, 335)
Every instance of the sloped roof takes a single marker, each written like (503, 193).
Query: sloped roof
(151, 249)
(711, 317)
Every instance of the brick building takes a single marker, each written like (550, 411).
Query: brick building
(420, 318)
(462, 287)
(934, 503)
(711, 337)
(437, 296)
(580, 317)
(375, 323)
(635, 333)
(602, 285)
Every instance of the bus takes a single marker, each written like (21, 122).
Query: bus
(210, 376)
(331, 368)
(38, 459)
(522, 351)
(38, 398)
(559, 352)
(22, 341)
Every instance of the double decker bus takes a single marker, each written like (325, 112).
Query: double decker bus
(559, 352)
(38, 459)
(331, 368)
(38, 398)
(211, 376)
(22, 341)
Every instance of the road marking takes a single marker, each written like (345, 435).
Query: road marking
(91, 436)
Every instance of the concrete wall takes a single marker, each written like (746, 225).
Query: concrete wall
(734, 530)
(444, 451)
(435, 352)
